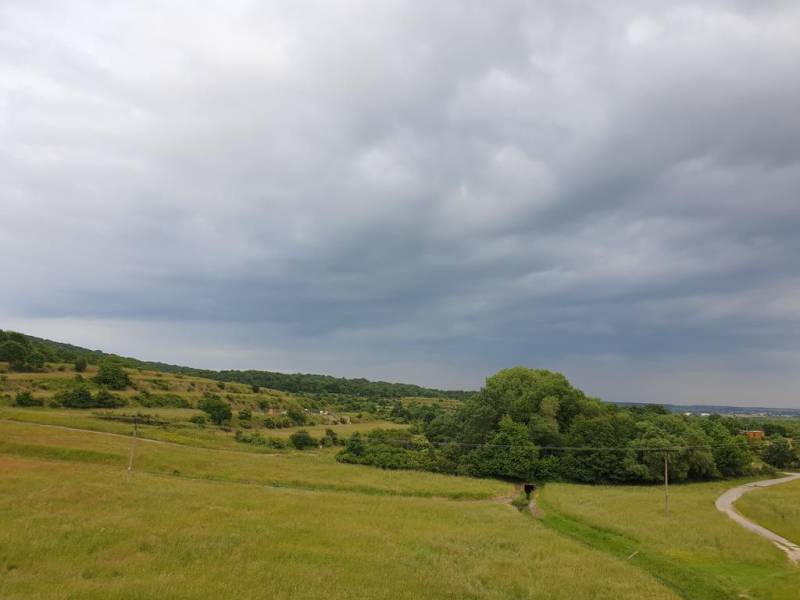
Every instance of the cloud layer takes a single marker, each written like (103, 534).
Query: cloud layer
(414, 191)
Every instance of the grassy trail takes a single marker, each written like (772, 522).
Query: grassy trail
(695, 549)
(688, 584)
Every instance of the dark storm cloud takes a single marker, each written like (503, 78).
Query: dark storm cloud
(424, 192)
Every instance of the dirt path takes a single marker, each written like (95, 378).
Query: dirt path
(725, 504)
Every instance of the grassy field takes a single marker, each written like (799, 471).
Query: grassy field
(695, 548)
(204, 515)
(776, 508)
(73, 525)
(264, 404)
(313, 469)
(177, 430)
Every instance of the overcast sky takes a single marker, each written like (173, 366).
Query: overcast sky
(415, 191)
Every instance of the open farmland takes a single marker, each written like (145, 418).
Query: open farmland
(198, 523)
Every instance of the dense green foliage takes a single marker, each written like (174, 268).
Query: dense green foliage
(780, 452)
(216, 408)
(20, 354)
(532, 424)
(302, 440)
(26, 398)
(112, 374)
(78, 395)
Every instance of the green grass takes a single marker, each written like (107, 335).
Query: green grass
(85, 531)
(695, 549)
(178, 430)
(312, 469)
(777, 508)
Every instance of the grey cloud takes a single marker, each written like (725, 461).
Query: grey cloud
(423, 192)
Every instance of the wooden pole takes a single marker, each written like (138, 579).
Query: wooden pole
(133, 447)
(666, 484)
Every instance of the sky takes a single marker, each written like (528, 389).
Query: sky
(413, 191)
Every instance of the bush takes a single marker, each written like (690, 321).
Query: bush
(80, 364)
(296, 415)
(217, 409)
(302, 440)
(27, 399)
(149, 400)
(112, 375)
(105, 399)
(75, 396)
(199, 420)
(245, 414)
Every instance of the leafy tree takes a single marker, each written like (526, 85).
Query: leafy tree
(112, 375)
(14, 353)
(355, 445)
(302, 440)
(731, 452)
(779, 452)
(297, 416)
(611, 460)
(508, 453)
(34, 360)
(216, 408)
(80, 364)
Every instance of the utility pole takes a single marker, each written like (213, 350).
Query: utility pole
(666, 483)
(133, 447)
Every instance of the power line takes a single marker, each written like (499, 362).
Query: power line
(570, 448)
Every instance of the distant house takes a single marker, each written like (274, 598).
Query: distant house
(754, 434)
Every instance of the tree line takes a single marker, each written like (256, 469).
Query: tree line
(532, 424)
(50, 351)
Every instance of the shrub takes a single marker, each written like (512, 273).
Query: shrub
(112, 375)
(75, 396)
(149, 400)
(199, 420)
(105, 399)
(302, 440)
(217, 409)
(80, 364)
(245, 414)
(296, 415)
(27, 399)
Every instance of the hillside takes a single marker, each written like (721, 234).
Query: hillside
(289, 382)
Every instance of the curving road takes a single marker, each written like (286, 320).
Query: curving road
(725, 504)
